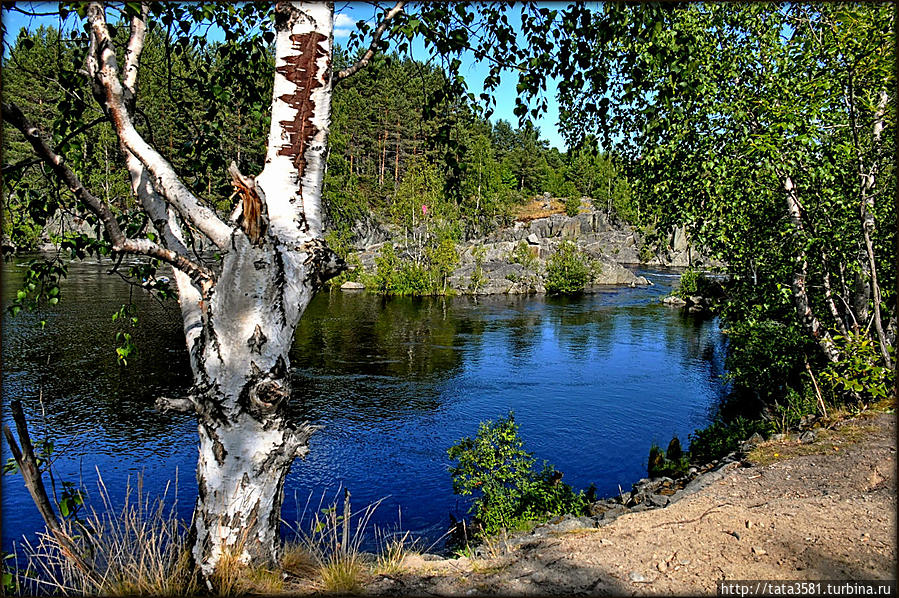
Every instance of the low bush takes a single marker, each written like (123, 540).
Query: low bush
(722, 437)
(694, 282)
(859, 376)
(509, 490)
(671, 463)
(572, 206)
(395, 275)
(568, 272)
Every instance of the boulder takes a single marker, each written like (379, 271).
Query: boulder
(679, 243)
(673, 301)
(352, 286)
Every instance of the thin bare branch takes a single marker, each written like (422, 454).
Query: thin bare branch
(32, 161)
(120, 243)
(373, 47)
(31, 473)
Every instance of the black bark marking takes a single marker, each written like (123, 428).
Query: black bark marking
(280, 369)
(202, 492)
(260, 264)
(279, 282)
(322, 263)
(264, 393)
(285, 16)
(257, 340)
(218, 449)
(274, 515)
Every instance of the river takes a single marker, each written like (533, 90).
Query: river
(593, 381)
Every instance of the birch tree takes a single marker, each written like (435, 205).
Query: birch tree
(767, 130)
(240, 313)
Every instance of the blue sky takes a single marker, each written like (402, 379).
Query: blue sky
(347, 13)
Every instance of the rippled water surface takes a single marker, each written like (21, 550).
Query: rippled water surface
(593, 381)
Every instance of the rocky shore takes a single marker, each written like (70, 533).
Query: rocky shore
(513, 259)
(818, 504)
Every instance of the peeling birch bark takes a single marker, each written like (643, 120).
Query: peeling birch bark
(275, 262)
(239, 325)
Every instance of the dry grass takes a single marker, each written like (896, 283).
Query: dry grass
(140, 549)
(332, 546)
(837, 433)
(394, 549)
(137, 549)
(534, 210)
(296, 561)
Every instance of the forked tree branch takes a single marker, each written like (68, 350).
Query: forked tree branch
(103, 68)
(120, 243)
(373, 47)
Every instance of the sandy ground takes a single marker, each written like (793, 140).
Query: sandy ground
(817, 511)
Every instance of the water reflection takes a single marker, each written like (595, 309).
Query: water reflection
(395, 382)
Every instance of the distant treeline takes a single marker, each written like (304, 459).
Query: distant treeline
(398, 141)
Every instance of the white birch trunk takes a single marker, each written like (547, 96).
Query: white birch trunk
(272, 268)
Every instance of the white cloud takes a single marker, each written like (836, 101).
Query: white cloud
(343, 25)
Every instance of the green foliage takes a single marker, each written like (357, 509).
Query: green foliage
(509, 491)
(766, 356)
(126, 317)
(722, 437)
(671, 463)
(478, 279)
(398, 276)
(790, 409)
(522, 255)
(859, 375)
(694, 282)
(572, 206)
(40, 283)
(567, 271)
(689, 283)
(709, 128)
(9, 577)
(674, 452)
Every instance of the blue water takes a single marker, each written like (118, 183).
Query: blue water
(593, 381)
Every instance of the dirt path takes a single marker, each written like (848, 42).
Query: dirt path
(825, 510)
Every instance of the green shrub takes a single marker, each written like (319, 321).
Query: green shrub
(387, 265)
(649, 242)
(509, 491)
(671, 463)
(694, 282)
(567, 271)
(766, 356)
(790, 409)
(522, 255)
(478, 279)
(572, 206)
(396, 276)
(723, 437)
(859, 374)
(442, 260)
